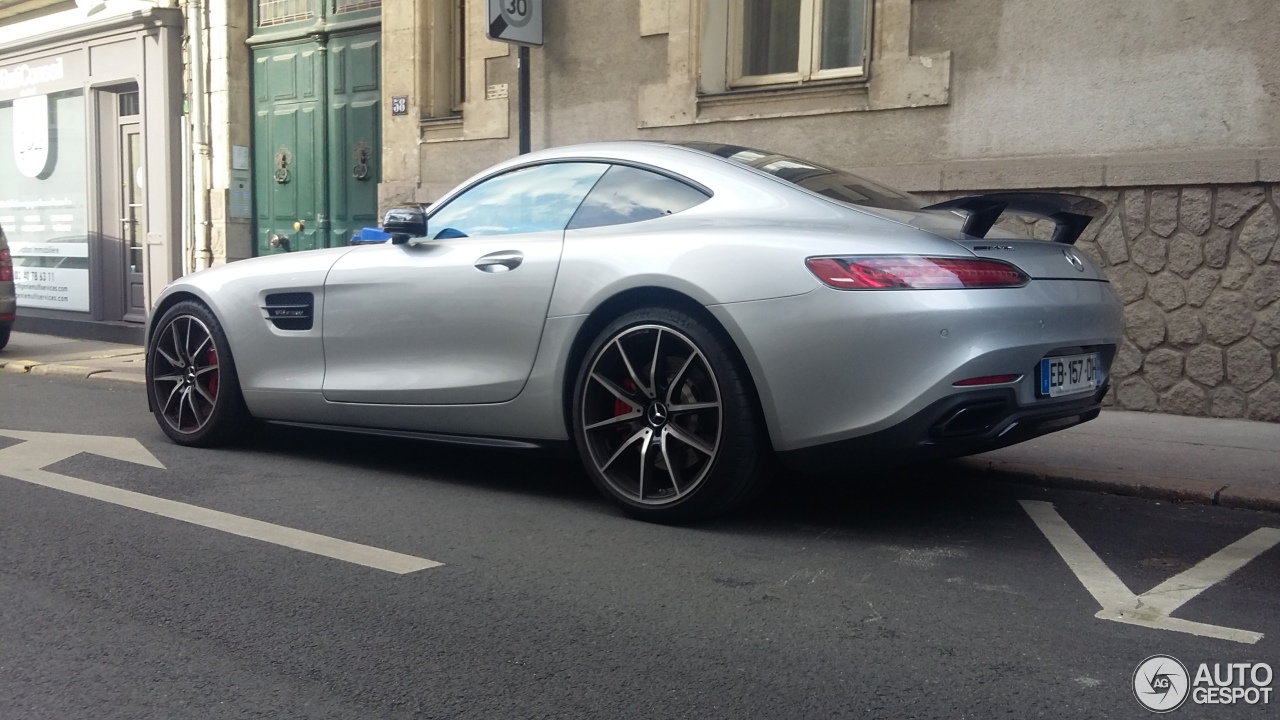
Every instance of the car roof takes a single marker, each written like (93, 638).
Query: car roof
(656, 153)
(698, 166)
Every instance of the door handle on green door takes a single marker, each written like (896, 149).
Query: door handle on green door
(360, 170)
(501, 261)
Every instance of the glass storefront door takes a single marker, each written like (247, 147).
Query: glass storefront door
(133, 231)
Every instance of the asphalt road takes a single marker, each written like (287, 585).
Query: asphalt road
(903, 595)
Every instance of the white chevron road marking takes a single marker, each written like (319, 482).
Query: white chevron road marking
(26, 461)
(1153, 607)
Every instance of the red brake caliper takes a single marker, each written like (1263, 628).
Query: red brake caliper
(211, 358)
(619, 407)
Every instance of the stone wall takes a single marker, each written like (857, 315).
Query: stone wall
(1198, 269)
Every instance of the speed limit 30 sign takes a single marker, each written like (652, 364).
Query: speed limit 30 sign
(516, 21)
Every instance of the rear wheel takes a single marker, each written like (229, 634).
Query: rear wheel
(192, 381)
(665, 421)
(4, 336)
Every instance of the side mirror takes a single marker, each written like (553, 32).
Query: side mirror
(405, 223)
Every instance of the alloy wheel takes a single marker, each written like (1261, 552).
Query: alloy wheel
(185, 375)
(652, 414)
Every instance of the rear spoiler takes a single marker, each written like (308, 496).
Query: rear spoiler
(1070, 214)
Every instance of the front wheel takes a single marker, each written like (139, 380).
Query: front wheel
(191, 379)
(665, 420)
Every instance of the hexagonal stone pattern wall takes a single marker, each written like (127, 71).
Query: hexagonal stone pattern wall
(1198, 269)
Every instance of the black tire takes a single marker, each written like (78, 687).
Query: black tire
(4, 336)
(184, 368)
(713, 483)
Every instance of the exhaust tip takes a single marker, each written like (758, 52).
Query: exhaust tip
(971, 419)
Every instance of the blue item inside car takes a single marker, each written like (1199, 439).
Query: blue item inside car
(369, 236)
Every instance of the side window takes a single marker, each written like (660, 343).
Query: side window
(532, 199)
(626, 195)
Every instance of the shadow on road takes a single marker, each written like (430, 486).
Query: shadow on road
(544, 474)
(882, 501)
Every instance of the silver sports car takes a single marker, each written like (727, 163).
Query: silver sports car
(680, 314)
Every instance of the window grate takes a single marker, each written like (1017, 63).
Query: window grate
(279, 12)
(352, 5)
(129, 104)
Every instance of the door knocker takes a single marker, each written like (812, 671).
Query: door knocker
(283, 159)
(360, 170)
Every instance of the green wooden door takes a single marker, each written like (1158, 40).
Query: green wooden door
(355, 148)
(289, 147)
(316, 135)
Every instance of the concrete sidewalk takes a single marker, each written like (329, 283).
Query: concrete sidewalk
(1234, 463)
(50, 355)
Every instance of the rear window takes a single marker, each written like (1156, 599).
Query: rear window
(835, 184)
(627, 195)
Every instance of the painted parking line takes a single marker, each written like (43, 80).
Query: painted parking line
(27, 460)
(1152, 608)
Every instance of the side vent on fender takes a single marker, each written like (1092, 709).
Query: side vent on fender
(290, 311)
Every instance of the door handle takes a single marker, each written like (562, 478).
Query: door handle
(500, 261)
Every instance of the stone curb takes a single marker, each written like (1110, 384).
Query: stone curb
(35, 367)
(1204, 492)
(135, 378)
(1249, 498)
(20, 366)
(79, 371)
(117, 354)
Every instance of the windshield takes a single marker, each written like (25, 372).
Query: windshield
(835, 184)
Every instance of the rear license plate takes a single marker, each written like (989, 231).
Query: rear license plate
(1070, 374)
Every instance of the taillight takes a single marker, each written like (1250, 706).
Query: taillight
(896, 272)
(6, 266)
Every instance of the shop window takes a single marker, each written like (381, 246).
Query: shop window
(790, 41)
(44, 206)
(279, 12)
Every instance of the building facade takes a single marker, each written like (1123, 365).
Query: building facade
(160, 137)
(90, 156)
(144, 139)
(293, 126)
(1166, 110)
